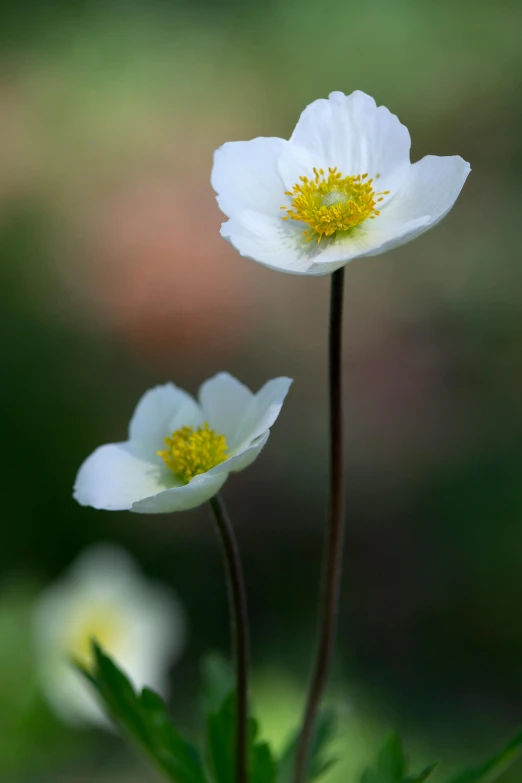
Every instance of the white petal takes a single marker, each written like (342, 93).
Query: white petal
(182, 498)
(281, 245)
(264, 409)
(117, 475)
(155, 633)
(242, 459)
(273, 242)
(103, 567)
(431, 189)
(70, 697)
(363, 241)
(245, 176)
(426, 197)
(296, 162)
(354, 134)
(262, 239)
(224, 401)
(159, 412)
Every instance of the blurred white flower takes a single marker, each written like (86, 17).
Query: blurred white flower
(341, 187)
(104, 597)
(180, 452)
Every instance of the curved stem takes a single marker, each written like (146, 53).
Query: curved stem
(332, 563)
(240, 631)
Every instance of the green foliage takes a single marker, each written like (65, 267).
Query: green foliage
(422, 776)
(218, 681)
(219, 704)
(218, 701)
(32, 740)
(221, 742)
(321, 759)
(494, 767)
(392, 766)
(143, 718)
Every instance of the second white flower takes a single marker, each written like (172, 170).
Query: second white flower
(180, 451)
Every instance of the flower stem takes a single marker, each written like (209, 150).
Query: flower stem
(332, 563)
(240, 630)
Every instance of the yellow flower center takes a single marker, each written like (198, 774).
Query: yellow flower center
(332, 203)
(190, 452)
(100, 624)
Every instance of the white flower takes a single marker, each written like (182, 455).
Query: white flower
(104, 597)
(180, 452)
(342, 187)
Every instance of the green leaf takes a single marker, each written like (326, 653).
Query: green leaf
(392, 766)
(320, 757)
(181, 758)
(221, 745)
(392, 762)
(144, 719)
(494, 767)
(218, 681)
(422, 776)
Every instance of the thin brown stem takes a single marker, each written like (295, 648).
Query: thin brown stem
(333, 552)
(240, 630)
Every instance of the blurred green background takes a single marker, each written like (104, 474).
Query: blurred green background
(113, 278)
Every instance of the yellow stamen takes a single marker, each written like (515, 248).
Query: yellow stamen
(190, 452)
(100, 623)
(332, 203)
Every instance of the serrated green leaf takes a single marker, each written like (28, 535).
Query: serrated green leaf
(494, 767)
(183, 759)
(320, 758)
(143, 719)
(218, 681)
(221, 744)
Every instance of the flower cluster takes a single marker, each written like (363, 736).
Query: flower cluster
(340, 188)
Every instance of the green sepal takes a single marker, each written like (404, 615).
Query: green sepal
(144, 720)
(494, 767)
(221, 743)
(321, 759)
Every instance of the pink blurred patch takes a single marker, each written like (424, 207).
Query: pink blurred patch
(164, 278)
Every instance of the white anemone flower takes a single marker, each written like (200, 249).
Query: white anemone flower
(342, 187)
(180, 451)
(104, 597)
